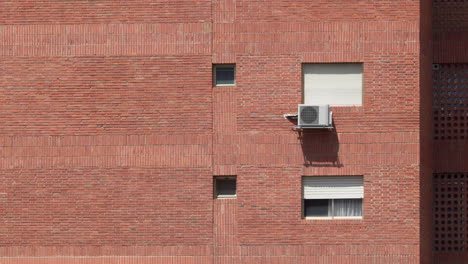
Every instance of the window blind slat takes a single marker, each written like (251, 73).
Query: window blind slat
(334, 84)
(331, 187)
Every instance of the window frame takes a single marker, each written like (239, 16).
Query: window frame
(303, 95)
(227, 65)
(332, 217)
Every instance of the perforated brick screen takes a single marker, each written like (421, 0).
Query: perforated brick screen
(450, 15)
(450, 105)
(450, 212)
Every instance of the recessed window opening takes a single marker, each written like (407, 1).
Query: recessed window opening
(224, 74)
(225, 187)
(333, 196)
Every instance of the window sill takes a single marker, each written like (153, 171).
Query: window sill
(334, 218)
(226, 197)
(221, 85)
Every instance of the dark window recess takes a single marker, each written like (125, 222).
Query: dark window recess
(333, 207)
(225, 187)
(316, 207)
(224, 75)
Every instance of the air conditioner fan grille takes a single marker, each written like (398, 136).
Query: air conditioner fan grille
(309, 114)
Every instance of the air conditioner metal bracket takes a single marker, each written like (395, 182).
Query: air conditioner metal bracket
(291, 116)
(308, 127)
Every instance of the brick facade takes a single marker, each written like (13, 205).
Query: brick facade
(111, 130)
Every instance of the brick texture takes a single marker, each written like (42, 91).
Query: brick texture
(102, 11)
(111, 131)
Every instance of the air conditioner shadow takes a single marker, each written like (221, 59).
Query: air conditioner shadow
(320, 148)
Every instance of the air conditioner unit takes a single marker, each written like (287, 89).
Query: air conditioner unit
(314, 116)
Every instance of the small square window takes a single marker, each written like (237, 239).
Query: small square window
(225, 187)
(224, 74)
(332, 196)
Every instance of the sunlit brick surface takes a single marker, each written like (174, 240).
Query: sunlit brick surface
(111, 131)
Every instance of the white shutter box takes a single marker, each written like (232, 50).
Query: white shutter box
(334, 83)
(333, 187)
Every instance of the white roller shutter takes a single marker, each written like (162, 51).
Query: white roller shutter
(333, 187)
(333, 83)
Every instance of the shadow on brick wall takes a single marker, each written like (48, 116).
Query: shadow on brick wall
(320, 148)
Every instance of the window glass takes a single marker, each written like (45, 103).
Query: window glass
(224, 74)
(347, 207)
(317, 207)
(333, 196)
(225, 187)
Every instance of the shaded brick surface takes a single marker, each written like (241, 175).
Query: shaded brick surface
(449, 159)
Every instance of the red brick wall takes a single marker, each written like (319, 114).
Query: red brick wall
(111, 131)
(106, 95)
(105, 12)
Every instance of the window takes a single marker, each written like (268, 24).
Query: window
(333, 196)
(332, 83)
(225, 187)
(224, 74)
